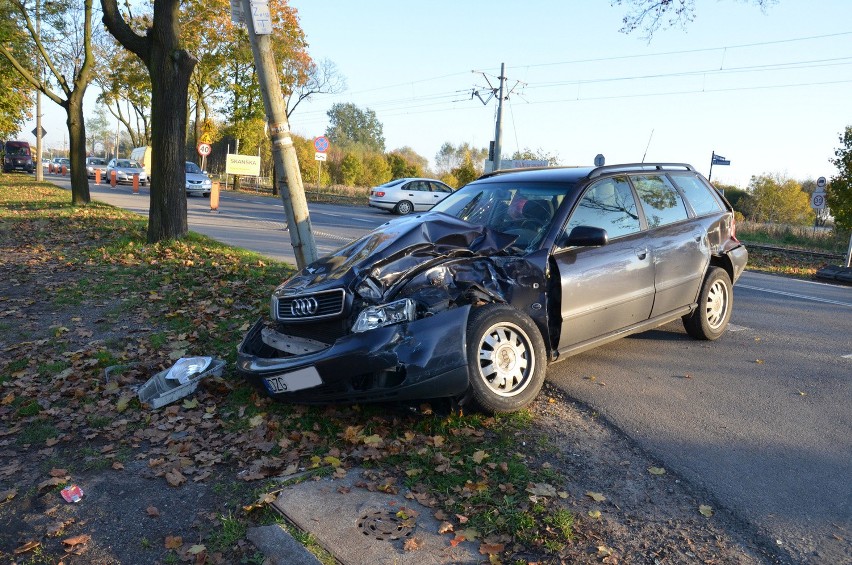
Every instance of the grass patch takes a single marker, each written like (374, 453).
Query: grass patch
(36, 433)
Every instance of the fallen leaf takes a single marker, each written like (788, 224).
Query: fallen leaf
(656, 470)
(596, 496)
(445, 527)
(118, 466)
(196, 549)
(469, 534)
(29, 546)
(255, 421)
(175, 478)
(8, 494)
(596, 514)
(58, 472)
(412, 544)
(759, 361)
(77, 540)
(190, 404)
(604, 551)
(456, 540)
(55, 481)
(479, 456)
(491, 548)
(705, 510)
(542, 489)
(462, 519)
(173, 542)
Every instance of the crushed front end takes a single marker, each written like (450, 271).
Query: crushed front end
(382, 319)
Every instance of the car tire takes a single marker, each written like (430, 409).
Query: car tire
(514, 380)
(403, 208)
(715, 304)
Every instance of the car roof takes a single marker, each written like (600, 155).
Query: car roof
(573, 174)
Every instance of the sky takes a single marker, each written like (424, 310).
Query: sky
(769, 90)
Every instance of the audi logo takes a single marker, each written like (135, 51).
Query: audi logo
(304, 306)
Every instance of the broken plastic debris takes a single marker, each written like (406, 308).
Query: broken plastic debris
(162, 389)
(185, 367)
(72, 493)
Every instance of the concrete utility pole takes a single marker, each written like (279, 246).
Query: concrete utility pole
(283, 151)
(498, 130)
(39, 172)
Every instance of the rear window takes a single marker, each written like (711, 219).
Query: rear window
(699, 195)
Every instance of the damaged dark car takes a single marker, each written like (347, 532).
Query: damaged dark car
(519, 269)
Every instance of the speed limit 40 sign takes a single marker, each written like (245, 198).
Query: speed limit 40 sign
(204, 149)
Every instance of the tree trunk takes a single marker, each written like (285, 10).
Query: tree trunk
(170, 70)
(77, 139)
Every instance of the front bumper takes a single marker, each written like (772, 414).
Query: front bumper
(426, 358)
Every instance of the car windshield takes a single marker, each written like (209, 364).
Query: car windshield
(97, 162)
(18, 150)
(127, 164)
(193, 168)
(523, 209)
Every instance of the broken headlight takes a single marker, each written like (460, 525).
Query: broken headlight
(382, 315)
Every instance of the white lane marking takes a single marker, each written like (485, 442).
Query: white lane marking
(342, 216)
(736, 328)
(848, 356)
(794, 295)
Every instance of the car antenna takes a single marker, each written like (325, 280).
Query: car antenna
(647, 146)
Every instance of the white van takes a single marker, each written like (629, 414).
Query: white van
(142, 155)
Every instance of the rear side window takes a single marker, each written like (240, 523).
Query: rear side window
(699, 195)
(607, 204)
(661, 202)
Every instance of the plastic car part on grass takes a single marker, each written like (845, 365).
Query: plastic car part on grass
(179, 380)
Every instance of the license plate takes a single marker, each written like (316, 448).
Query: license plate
(297, 380)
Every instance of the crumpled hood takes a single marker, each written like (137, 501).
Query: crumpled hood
(395, 248)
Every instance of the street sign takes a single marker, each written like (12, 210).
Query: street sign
(599, 160)
(320, 156)
(719, 160)
(321, 144)
(35, 132)
(818, 200)
(204, 149)
(821, 182)
(261, 17)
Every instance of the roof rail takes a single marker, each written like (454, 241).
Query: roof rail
(599, 171)
(521, 169)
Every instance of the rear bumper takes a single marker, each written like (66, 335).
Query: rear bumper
(739, 259)
(423, 359)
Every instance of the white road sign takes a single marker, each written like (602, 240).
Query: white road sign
(320, 156)
(818, 200)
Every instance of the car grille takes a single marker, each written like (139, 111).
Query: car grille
(316, 306)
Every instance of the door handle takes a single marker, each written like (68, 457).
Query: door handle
(641, 253)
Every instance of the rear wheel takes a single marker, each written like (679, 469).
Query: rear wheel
(715, 304)
(404, 207)
(506, 358)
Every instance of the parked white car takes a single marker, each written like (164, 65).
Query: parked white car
(407, 195)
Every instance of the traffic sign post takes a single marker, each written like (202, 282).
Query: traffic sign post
(321, 144)
(204, 150)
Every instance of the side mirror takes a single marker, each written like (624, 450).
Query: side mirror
(585, 236)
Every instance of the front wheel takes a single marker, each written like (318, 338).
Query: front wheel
(506, 358)
(715, 304)
(404, 207)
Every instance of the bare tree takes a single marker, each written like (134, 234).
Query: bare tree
(322, 78)
(652, 15)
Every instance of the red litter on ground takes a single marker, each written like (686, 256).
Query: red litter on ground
(72, 493)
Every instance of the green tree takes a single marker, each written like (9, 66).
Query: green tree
(466, 172)
(98, 129)
(376, 170)
(17, 96)
(63, 47)
(537, 155)
(839, 193)
(450, 157)
(351, 127)
(780, 200)
(405, 162)
(351, 168)
(737, 196)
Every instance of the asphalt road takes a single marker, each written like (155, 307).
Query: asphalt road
(759, 421)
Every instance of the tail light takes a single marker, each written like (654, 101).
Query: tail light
(378, 194)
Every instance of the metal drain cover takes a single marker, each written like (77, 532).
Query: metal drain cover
(383, 525)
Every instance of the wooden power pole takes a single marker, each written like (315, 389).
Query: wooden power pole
(258, 21)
